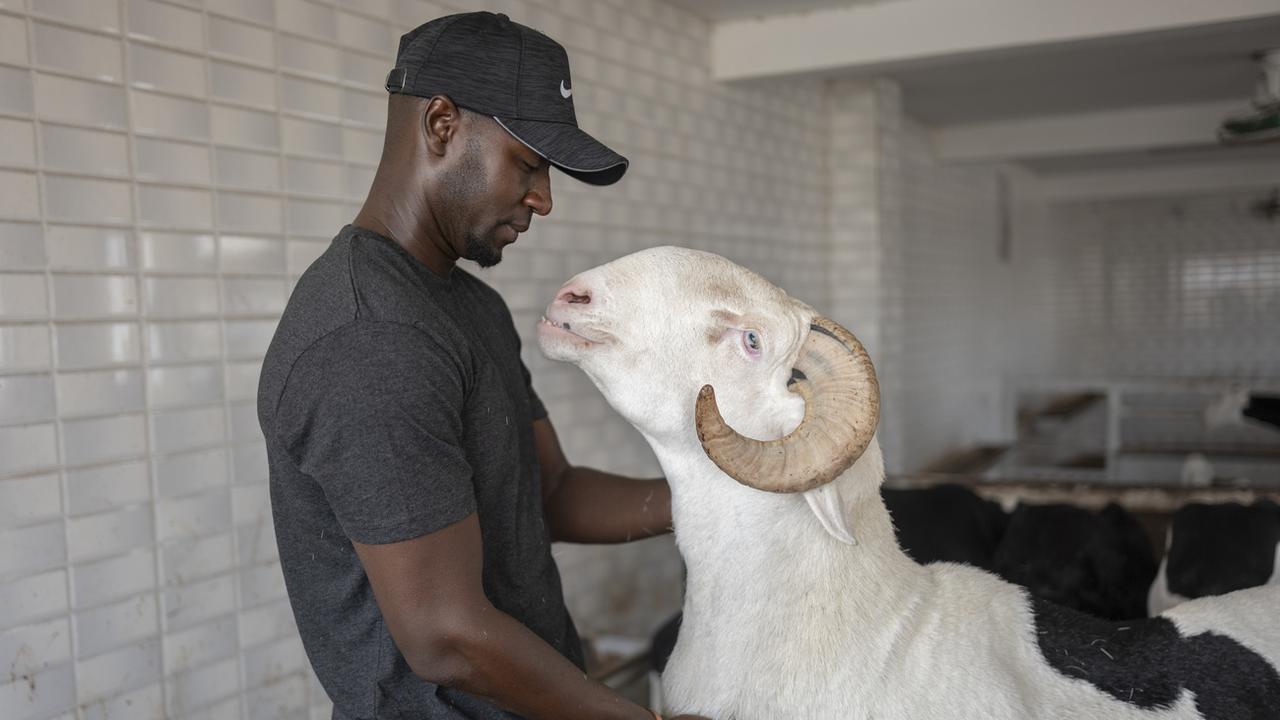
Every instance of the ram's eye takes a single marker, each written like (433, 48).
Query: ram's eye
(751, 340)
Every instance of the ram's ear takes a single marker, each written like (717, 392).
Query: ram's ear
(834, 511)
(835, 503)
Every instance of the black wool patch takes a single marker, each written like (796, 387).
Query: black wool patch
(1148, 664)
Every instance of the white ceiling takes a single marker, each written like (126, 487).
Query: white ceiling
(719, 10)
(1167, 68)
(1204, 63)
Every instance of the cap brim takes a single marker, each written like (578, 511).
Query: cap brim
(569, 148)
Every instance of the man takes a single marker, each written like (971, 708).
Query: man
(416, 482)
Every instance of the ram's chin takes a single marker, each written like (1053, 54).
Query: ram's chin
(556, 344)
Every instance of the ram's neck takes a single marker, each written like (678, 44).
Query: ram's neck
(759, 558)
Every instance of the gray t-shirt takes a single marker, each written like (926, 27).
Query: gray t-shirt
(394, 403)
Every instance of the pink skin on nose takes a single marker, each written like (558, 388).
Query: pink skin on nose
(573, 294)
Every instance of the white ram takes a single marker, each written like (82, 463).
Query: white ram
(799, 602)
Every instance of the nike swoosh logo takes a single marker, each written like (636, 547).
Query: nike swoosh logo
(565, 92)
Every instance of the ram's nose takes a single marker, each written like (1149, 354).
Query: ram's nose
(574, 292)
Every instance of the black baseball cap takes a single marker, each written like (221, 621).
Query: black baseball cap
(489, 64)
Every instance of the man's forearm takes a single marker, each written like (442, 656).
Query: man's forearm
(494, 656)
(590, 506)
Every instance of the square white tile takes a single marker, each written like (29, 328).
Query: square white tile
(24, 347)
(79, 101)
(113, 626)
(79, 53)
(172, 161)
(317, 219)
(89, 14)
(250, 461)
(162, 23)
(186, 561)
(249, 338)
(19, 195)
(151, 68)
(19, 149)
(183, 474)
(315, 99)
(201, 645)
(361, 146)
(104, 439)
(88, 345)
(96, 152)
(89, 201)
(104, 487)
(313, 177)
(25, 399)
(99, 392)
(30, 500)
(175, 207)
(174, 431)
(314, 59)
(194, 602)
(110, 674)
(180, 296)
(185, 385)
(13, 40)
(169, 342)
(195, 690)
(252, 256)
(74, 247)
(178, 252)
(169, 116)
(33, 597)
(259, 11)
(91, 537)
(28, 550)
(21, 246)
(241, 41)
(316, 139)
(247, 170)
(241, 212)
(84, 296)
(130, 575)
(244, 85)
(362, 33)
(15, 91)
(245, 128)
(24, 448)
(299, 16)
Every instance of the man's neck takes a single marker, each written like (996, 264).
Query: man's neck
(411, 230)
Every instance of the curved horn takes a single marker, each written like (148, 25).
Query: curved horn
(841, 409)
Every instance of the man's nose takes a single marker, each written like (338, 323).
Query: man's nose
(538, 199)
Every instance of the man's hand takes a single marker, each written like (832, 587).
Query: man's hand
(589, 506)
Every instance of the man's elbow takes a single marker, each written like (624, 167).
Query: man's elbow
(444, 653)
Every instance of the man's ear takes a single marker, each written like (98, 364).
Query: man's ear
(440, 123)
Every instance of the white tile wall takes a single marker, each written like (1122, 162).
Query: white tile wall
(1182, 287)
(170, 167)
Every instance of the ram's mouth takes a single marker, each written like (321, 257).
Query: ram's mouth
(554, 327)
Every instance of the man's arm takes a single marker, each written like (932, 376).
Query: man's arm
(430, 592)
(589, 506)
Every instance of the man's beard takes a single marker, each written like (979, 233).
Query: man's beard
(484, 254)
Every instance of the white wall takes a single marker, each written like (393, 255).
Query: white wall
(168, 169)
(1170, 287)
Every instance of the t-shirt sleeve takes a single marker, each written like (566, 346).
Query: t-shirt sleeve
(536, 408)
(373, 412)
